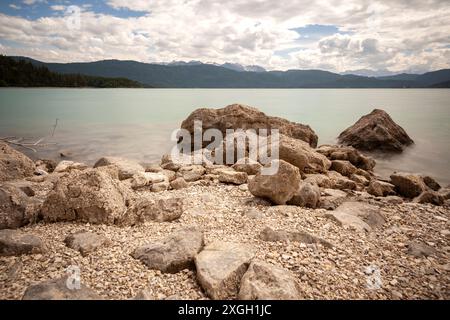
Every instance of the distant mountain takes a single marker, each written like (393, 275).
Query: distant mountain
(195, 74)
(241, 68)
(369, 73)
(24, 73)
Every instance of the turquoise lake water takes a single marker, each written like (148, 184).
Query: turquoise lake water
(137, 123)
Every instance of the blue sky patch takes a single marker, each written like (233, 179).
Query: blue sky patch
(35, 9)
(314, 32)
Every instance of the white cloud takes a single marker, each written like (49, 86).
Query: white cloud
(57, 7)
(14, 6)
(394, 35)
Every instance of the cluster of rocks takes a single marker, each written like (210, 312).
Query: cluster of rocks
(123, 193)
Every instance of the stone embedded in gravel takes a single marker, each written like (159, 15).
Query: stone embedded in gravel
(345, 219)
(158, 210)
(247, 165)
(191, 173)
(87, 196)
(144, 295)
(344, 167)
(220, 267)
(408, 185)
(14, 164)
(380, 188)
(233, 177)
(142, 179)
(308, 195)
(268, 234)
(174, 253)
(431, 183)
(253, 214)
(264, 281)
(368, 213)
(429, 196)
(420, 249)
(160, 186)
(332, 198)
(67, 165)
(127, 168)
(321, 180)
(16, 207)
(279, 187)
(16, 242)
(59, 289)
(85, 242)
(179, 183)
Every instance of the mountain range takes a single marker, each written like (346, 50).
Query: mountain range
(195, 74)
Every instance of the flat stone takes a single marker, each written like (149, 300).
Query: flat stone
(220, 267)
(85, 242)
(16, 242)
(173, 254)
(59, 289)
(264, 281)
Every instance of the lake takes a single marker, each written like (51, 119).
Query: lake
(137, 123)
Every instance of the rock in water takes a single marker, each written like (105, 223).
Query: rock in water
(85, 242)
(376, 131)
(59, 289)
(15, 243)
(220, 267)
(264, 281)
(239, 116)
(127, 168)
(279, 187)
(174, 253)
(88, 196)
(408, 185)
(13, 164)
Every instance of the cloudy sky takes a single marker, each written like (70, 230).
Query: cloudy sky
(334, 35)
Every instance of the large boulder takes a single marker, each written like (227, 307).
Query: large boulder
(408, 185)
(279, 187)
(376, 131)
(430, 196)
(173, 254)
(59, 289)
(239, 116)
(308, 195)
(220, 267)
(13, 164)
(17, 208)
(127, 168)
(90, 196)
(16, 242)
(301, 155)
(264, 281)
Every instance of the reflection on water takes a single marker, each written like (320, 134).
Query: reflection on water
(137, 123)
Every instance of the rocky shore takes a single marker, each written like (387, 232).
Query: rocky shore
(325, 226)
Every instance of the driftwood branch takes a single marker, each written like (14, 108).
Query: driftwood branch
(21, 142)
